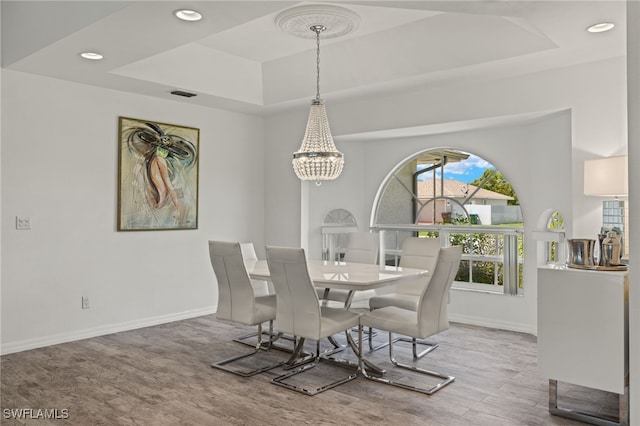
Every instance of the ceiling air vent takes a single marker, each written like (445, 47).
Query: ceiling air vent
(181, 93)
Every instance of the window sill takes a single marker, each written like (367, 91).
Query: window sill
(481, 290)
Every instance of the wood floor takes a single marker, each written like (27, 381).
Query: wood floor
(162, 376)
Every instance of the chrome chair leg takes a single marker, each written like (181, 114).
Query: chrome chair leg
(225, 364)
(429, 391)
(356, 348)
(414, 343)
(380, 346)
(308, 364)
(335, 343)
(244, 339)
(300, 357)
(295, 360)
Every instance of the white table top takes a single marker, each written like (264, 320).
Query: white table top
(346, 276)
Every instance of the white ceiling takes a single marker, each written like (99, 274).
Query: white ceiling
(238, 58)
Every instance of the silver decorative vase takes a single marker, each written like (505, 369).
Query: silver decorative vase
(581, 252)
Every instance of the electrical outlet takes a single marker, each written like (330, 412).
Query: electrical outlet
(23, 223)
(85, 302)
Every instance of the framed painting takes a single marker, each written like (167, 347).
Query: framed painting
(158, 176)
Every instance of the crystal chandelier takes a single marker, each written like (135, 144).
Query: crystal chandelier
(318, 158)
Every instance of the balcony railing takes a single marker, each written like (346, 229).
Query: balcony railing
(497, 249)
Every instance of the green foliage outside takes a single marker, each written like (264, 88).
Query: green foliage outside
(480, 244)
(498, 183)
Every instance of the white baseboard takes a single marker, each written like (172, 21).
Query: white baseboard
(55, 339)
(492, 323)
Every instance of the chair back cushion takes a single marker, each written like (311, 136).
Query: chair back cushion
(235, 293)
(298, 308)
(421, 253)
(260, 287)
(248, 252)
(362, 247)
(432, 307)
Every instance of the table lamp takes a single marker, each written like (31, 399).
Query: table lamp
(609, 177)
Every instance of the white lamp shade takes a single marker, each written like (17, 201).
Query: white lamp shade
(607, 177)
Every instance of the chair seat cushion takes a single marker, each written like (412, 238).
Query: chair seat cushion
(404, 301)
(393, 319)
(335, 320)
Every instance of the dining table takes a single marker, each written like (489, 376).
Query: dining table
(344, 275)
(348, 276)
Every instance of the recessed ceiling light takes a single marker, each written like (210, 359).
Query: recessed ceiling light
(91, 55)
(601, 27)
(188, 15)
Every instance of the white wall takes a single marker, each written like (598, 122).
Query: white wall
(282, 205)
(59, 167)
(595, 129)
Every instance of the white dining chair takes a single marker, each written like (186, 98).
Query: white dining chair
(260, 288)
(362, 247)
(420, 253)
(417, 252)
(430, 318)
(238, 303)
(300, 314)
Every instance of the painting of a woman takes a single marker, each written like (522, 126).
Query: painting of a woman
(158, 176)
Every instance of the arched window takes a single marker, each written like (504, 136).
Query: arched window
(463, 199)
(551, 232)
(336, 225)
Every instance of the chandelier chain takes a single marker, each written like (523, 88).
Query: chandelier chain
(318, 29)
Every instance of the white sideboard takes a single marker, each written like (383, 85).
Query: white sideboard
(583, 330)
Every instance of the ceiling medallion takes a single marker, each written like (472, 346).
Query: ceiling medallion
(336, 20)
